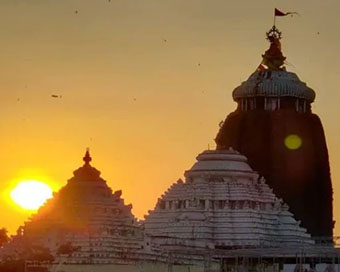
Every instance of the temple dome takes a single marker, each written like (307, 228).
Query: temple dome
(228, 160)
(271, 80)
(274, 83)
(222, 203)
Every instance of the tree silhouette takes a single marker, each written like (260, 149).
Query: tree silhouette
(3, 236)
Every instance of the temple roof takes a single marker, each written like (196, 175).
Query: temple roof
(86, 172)
(271, 83)
(85, 201)
(227, 160)
(88, 216)
(223, 202)
(271, 78)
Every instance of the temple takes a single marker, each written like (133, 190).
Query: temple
(260, 202)
(223, 204)
(274, 127)
(88, 223)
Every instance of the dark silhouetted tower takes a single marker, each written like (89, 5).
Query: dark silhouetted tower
(284, 141)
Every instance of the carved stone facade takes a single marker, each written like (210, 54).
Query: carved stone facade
(91, 221)
(223, 203)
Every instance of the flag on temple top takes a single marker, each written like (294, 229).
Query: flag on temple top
(281, 13)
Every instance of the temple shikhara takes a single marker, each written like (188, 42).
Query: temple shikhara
(262, 201)
(274, 106)
(86, 217)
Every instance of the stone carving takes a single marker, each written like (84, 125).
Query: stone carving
(225, 206)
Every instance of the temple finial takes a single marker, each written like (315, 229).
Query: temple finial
(87, 158)
(274, 34)
(273, 58)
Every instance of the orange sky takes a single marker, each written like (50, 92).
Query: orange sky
(144, 106)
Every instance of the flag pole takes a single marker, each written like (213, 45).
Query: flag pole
(274, 17)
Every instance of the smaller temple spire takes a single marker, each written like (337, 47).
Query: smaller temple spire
(87, 172)
(87, 158)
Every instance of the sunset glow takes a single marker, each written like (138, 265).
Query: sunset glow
(31, 194)
(145, 85)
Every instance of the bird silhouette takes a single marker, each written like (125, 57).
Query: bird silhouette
(56, 96)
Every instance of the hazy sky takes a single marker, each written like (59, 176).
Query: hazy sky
(143, 105)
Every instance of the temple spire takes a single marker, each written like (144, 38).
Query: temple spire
(87, 158)
(273, 58)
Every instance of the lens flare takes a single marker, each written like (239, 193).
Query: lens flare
(293, 142)
(31, 194)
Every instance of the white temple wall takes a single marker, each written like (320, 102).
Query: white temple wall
(146, 267)
(152, 267)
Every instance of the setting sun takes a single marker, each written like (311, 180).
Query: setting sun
(31, 194)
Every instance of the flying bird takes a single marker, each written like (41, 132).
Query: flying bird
(56, 96)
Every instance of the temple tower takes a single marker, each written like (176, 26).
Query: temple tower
(88, 222)
(223, 204)
(284, 141)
